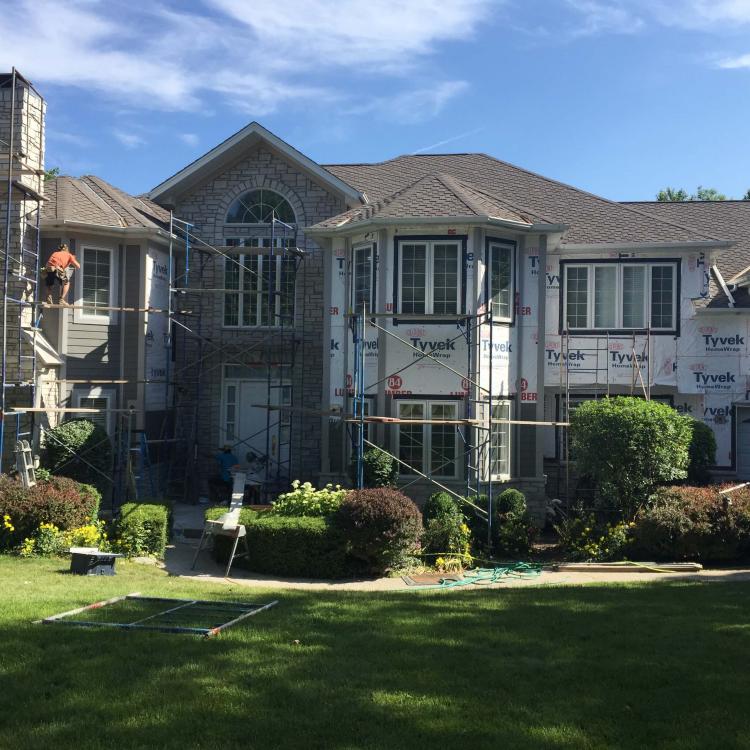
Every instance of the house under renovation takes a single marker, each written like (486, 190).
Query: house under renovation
(450, 309)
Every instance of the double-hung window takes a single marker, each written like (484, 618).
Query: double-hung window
(429, 448)
(264, 284)
(500, 441)
(620, 296)
(429, 276)
(95, 398)
(500, 280)
(97, 285)
(363, 286)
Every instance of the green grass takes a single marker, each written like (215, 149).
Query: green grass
(642, 666)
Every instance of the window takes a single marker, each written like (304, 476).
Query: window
(500, 280)
(260, 207)
(265, 288)
(620, 296)
(429, 448)
(429, 276)
(96, 285)
(500, 441)
(95, 398)
(363, 278)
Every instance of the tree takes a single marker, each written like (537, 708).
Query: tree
(50, 174)
(670, 195)
(707, 194)
(746, 196)
(629, 447)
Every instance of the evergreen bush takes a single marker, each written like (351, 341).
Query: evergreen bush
(143, 529)
(702, 453)
(81, 450)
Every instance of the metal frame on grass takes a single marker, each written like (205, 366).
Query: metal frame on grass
(240, 610)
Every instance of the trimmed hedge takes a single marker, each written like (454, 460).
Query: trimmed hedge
(290, 546)
(59, 501)
(693, 523)
(142, 529)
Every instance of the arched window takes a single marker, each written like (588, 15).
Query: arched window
(260, 207)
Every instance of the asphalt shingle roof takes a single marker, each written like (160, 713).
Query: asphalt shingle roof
(727, 219)
(91, 200)
(591, 219)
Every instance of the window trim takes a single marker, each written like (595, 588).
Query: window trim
(428, 403)
(373, 248)
(257, 223)
(512, 245)
(461, 240)
(240, 292)
(81, 315)
(501, 477)
(591, 263)
(95, 392)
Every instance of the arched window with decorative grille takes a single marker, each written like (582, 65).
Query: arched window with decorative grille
(260, 206)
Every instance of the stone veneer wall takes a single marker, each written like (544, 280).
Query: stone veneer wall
(206, 207)
(26, 161)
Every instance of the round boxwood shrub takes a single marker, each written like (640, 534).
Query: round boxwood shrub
(702, 453)
(514, 531)
(511, 501)
(379, 469)
(76, 449)
(382, 527)
(440, 504)
(59, 501)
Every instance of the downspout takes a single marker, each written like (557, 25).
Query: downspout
(541, 331)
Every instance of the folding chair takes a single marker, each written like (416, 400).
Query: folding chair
(228, 525)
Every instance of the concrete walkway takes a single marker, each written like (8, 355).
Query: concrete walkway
(180, 555)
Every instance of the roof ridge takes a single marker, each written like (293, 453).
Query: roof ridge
(84, 188)
(598, 197)
(111, 191)
(455, 186)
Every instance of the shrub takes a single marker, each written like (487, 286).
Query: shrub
(305, 500)
(382, 527)
(81, 450)
(585, 539)
(628, 447)
(142, 529)
(701, 452)
(694, 523)
(514, 531)
(379, 469)
(293, 546)
(440, 504)
(60, 502)
(49, 540)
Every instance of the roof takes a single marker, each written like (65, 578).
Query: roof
(91, 200)
(433, 196)
(590, 218)
(727, 219)
(234, 148)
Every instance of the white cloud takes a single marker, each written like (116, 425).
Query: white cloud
(129, 140)
(733, 63)
(256, 56)
(189, 139)
(445, 141)
(73, 139)
(597, 17)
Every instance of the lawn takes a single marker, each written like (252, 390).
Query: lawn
(641, 666)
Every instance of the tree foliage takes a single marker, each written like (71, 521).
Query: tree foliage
(680, 195)
(628, 447)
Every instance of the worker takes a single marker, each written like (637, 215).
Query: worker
(221, 484)
(56, 270)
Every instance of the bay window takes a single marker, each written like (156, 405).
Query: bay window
(620, 296)
(500, 441)
(363, 278)
(429, 276)
(500, 279)
(429, 448)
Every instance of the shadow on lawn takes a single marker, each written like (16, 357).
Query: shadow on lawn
(536, 668)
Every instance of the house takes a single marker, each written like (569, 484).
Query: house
(454, 307)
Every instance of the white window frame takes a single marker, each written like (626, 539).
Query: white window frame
(356, 306)
(430, 274)
(619, 296)
(261, 298)
(492, 246)
(106, 393)
(81, 315)
(427, 404)
(501, 476)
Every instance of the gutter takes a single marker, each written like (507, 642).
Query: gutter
(722, 284)
(671, 246)
(154, 232)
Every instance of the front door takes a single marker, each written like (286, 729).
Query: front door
(743, 443)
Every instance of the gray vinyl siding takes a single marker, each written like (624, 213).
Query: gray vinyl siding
(133, 341)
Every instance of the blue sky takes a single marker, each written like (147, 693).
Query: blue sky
(619, 97)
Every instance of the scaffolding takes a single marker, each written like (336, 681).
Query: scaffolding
(20, 324)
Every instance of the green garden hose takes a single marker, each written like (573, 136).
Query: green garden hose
(488, 576)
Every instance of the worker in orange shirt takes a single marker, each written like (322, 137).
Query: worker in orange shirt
(56, 270)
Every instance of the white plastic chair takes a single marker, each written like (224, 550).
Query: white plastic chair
(228, 525)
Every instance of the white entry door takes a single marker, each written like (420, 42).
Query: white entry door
(743, 443)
